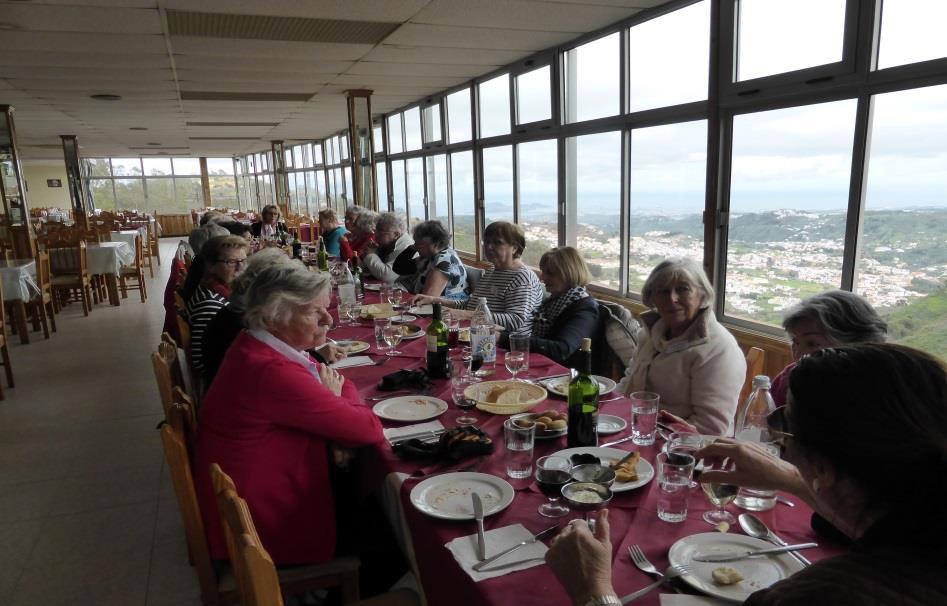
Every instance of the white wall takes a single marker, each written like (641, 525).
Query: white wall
(39, 195)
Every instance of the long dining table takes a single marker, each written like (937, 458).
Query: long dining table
(632, 515)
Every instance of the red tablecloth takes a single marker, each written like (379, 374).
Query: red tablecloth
(633, 515)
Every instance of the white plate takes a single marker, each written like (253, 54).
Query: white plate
(541, 435)
(376, 286)
(410, 408)
(609, 424)
(447, 496)
(758, 573)
(612, 455)
(560, 385)
(422, 310)
(414, 335)
(403, 319)
(354, 347)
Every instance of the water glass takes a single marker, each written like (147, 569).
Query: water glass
(384, 291)
(380, 325)
(644, 417)
(347, 293)
(675, 472)
(519, 445)
(392, 336)
(688, 443)
(344, 309)
(515, 361)
(394, 297)
(520, 343)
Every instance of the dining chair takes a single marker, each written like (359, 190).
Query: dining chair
(167, 369)
(135, 273)
(236, 519)
(4, 349)
(70, 272)
(755, 363)
(153, 243)
(194, 377)
(43, 306)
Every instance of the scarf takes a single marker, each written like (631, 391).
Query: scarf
(552, 307)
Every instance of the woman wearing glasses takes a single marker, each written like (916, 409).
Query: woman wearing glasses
(865, 444)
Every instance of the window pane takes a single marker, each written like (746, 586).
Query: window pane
(671, 50)
(437, 200)
(458, 116)
(498, 183)
(343, 143)
(432, 123)
(317, 153)
(321, 194)
(381, 177)
(188, 192)
(395, 144)
(462, 196)
(397, 187)
(332, 151)
(593, 79)
(412, 129)
(312, 193)
(495, 106)
(161, 196)
(216, 166)
(378, 142)
(532, 96)
(903, 266)
(301, 156)
(126, 167)
(538, 197)
(99, 167)
(668, 179)
(593, 190)
(102, 193)
(911, 31)
(130, 194)
(187, 166)
(288, 158)
(157, 166)
(768, 38)
(788, 201)
(416, 209)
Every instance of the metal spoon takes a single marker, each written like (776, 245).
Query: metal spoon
(756, 528)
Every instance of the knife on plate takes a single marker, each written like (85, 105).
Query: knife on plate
(731, 557)
(615, 442)
(541, 536)
(478, 515)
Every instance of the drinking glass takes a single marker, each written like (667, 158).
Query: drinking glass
(353, 313)
(394, 297)
(453, 331)
(344, 308)
(459, 382)
(552, 473)
(675, 472)
(392, 336)
(519, 445)
(514, 360)
(520, 343)
(380, 325)
(644, 417)
(720, 495)
(686, 443)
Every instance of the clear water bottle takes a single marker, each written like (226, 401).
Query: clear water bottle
(752, 427)
(346, 285)
(483, 341)
(481, 314)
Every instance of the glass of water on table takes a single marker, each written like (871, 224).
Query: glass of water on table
(675, 472)
(519, 440)
(644, 417)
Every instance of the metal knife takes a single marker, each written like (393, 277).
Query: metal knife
(751, 554)
(545, 534)
(478, 515)
(615, 442)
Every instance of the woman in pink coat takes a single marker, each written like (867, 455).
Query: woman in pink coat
(273, 416)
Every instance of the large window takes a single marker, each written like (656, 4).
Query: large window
(415, 175)
(398, 195)
(495, 106)
(538, 197)
(911, 31)
(462, 198)
(458, 116)
(533, 101)
(164, 185)
(593, 80)
(498, 183)
(438, 201)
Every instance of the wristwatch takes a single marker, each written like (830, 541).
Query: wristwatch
(603, 600)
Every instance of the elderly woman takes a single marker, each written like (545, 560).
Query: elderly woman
(569, 314)
(891, 506)
(362, 237)
(271, 416)
(333, 235)
(224, 257)
(828, 319)
(269, 226)
(391, 239)
(352, 212)
(683, 353)
(512, 290)
(437, 270)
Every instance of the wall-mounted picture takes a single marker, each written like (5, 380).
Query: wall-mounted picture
(53, 182)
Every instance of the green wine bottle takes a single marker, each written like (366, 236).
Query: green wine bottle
(297, 246)
(358, 276)
(323, 256)
(437, 350)
(583, 402)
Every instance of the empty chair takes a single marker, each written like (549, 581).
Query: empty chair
(755, 362)
(43, 304)
(135, 273)
(70, 272)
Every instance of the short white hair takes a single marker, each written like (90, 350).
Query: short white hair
(278, 291)
(677, 270)
(391, 221)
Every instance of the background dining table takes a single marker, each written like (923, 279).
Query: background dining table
(107, 259)
(18, 277)
(632, 515)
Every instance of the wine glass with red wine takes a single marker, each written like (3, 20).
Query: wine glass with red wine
(552, 473)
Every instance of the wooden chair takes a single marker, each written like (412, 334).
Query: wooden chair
(235, 516)
(184, 330)
(755, 363)
(4, 349)
(70, 272)
(134, 272)
(168, 375)
(153, 242)
(43, 305)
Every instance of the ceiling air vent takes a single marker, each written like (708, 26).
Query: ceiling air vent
(232, 123)
(199, 95)
(267, 27)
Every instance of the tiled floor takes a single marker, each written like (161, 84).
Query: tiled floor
(87, 511)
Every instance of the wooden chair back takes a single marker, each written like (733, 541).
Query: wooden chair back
(261, 581)
(183, 415)
(67, 258)
(4, 347)
(43, 274)
(755, 363)
(168, 375)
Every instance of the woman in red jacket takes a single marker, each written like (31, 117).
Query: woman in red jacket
(272, 416)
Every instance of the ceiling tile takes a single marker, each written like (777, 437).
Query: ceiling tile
(292, 65)
(46, 18)
(85, 74)
(456, 56)
(87, 43)
(522, 14)
(425, 35)
(267, 48)
(377, 68)
(369, 10)
(79, 58)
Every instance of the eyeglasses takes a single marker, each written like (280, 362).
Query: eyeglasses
(778, 423)
(233, 262)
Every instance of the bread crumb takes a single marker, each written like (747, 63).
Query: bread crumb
(726, 576)
(722, 527)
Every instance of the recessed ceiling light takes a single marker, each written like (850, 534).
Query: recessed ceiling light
(106, 97)
(137, 128)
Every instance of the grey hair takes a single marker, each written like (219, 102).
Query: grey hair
(391, 221)
(366, 222)
(268, 257)
(211, 216)
(843, 316)
(202, 234)
(432, 231)
(354, 209)
(278, 291)
(676, 270)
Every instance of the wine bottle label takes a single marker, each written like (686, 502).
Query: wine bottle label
(432, 343)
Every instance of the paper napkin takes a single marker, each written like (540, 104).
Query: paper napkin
(670, 599)
(353, 361)
(498, 539)
(417, 430)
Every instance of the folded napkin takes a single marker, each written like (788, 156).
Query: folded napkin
(682, 599)
(498, 539)
(353, 361)
(418, 430)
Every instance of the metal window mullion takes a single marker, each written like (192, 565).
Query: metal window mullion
(515, 162)
(857, 192)
(624, 255)
(721, 217)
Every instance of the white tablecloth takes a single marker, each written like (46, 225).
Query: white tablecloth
(128, 236)
(109, 257)
(18, 279)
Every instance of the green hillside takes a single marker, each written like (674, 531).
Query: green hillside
(922, 324)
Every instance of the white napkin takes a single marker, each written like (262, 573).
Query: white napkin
(353, 361)
(681, 599)
(498, 539)
(397, 433)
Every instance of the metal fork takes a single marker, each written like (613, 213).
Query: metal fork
(643, 564)
(672, 572)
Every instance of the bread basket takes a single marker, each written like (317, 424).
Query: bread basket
(487, 393)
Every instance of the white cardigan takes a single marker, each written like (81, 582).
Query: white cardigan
(698, 374)
(381, 268)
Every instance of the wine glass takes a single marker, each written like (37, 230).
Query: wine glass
(514, 361)
(459, 383)
(394, 297)
(552, 473)
(392, 336)
(720, 496)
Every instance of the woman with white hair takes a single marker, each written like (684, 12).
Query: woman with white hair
(684, 355)
(272, 414)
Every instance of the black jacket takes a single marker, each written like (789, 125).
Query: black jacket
(576, 322)
(257, 228)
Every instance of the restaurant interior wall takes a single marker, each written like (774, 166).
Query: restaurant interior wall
(36, 173)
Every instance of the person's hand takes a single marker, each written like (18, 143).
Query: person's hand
(581, 561)
(332, 352)
(331, 379)
(675, 422)
(423, 299)
(751, 465)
